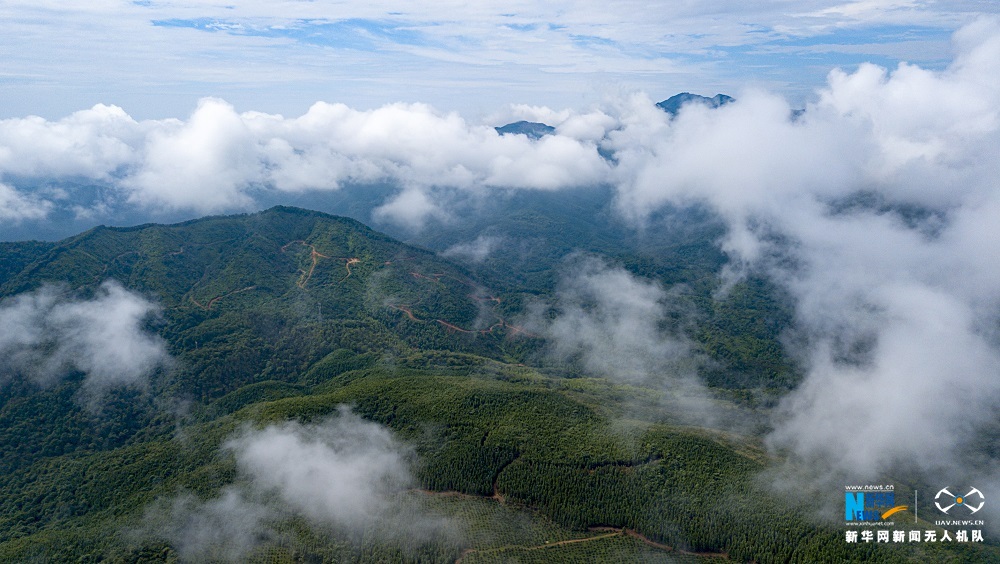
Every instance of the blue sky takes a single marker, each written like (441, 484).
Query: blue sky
(157, 58)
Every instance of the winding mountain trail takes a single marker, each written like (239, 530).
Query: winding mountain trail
(314, 256)
(347, 265)
(408, 312)
(303, 280)
(204, 276)
(635, 534)
(606, 531)
(469, 551)
(476, 296)
(211, 302)
(501, 324)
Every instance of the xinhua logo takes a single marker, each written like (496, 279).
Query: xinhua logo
(967, 504)
(870, 505)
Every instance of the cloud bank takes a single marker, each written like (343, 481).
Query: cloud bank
(876, 209)
(45, 334)
(218, 158)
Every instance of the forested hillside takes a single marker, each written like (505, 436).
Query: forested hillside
(283, 338)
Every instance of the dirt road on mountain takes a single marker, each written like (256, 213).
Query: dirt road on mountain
(314, 257)
(469, 551)
(501, 323)
(661, 546)
(211, 302)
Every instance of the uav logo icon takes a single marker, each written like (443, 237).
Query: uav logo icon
(962, 501)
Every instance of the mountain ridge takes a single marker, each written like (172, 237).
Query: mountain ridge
(673, 104)
(297, 265)
(296, 325)
(532, 129)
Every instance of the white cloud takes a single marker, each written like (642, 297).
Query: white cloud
(411, 208)
(615, 325)
(225, 528)
(16, 207)
(343, 472)
(474, 251)
(343, 475)
(218, 159)
(45, 334)
(927, 384)
(876, 209)
(91, 143)
(204, 164)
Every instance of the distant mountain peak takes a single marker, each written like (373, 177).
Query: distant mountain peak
(532, 129)
(673, 104)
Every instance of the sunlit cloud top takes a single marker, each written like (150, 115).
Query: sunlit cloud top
(156, 58)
